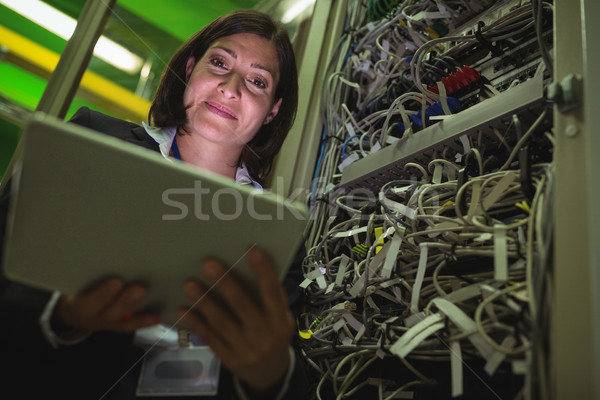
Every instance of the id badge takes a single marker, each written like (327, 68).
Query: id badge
(179, 371)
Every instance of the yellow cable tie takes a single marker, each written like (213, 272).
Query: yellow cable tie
(305, 334)
(524, 206)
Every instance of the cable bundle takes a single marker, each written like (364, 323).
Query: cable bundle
(445, 274)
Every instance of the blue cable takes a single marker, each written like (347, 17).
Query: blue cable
(318, 167)
(346, 142)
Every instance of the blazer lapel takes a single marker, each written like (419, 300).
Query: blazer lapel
(141, 138)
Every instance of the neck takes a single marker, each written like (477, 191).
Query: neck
(208, 155)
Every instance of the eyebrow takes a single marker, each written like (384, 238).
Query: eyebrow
(233, 54)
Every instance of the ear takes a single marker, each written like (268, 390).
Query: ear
(191, 63)
(273, 112)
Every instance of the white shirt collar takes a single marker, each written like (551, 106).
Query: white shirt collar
(164, 138)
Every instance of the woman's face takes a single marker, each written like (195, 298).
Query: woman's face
(230, 90)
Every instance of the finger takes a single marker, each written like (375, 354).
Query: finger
(209, 320)
(96, 301)
(237, 299)
(272, 293)
(211, 336)
(127, 301)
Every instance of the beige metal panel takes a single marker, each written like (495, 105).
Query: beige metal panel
(296, 162)
(74, 59)
(64, 81)
(574, 335)
(590, 11)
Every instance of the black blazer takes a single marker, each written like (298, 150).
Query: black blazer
(105, 365)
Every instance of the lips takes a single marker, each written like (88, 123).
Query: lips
(220, 110)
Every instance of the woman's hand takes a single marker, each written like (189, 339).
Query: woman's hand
(252, 341)
(107, 308)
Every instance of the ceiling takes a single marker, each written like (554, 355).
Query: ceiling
(182, 18)
(152, 29)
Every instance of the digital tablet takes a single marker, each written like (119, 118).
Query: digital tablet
(86, 206)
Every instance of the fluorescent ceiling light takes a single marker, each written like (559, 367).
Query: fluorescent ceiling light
(296, 9)
(64, 26)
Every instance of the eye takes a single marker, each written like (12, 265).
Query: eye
(258, 82)
(218, 62)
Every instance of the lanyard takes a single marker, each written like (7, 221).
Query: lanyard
(175, 149)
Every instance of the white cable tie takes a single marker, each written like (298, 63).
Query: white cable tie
(500, 253)
(385, 44)
(386, 295)
(463, 294)
(401, 190)
(350, 232)
(443, 98)
(484, 237)
(428, 15)
(351, 131)
(474, 206)
(347, 161)
(521, 236)
(340, 323)
(321, 282)
(466, 325)
(499, 190)
(439, 117)
(414, 319)
(415, 335)
(398, 207)
(443, 10)
(416, 293)
(341, 270)
(390, 282)
(360, 333)
(496, 359)
(450, 173)
(353, 322)
(357, 287)
(464, 139)
(390, 259)
(513, 305)
(486, 291)
(329, 288)
(456, 368)
(375, 148)
(372, 304)
(519, 367)
(305, 283)
(492, 89)
(437, 174)
(314, 274)
(520, 263)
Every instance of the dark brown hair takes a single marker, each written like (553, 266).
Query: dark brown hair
(167, 108)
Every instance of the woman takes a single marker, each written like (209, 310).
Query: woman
(225, 103)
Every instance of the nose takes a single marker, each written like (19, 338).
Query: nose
(230, 86)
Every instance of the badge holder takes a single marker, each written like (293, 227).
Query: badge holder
(186, 370)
